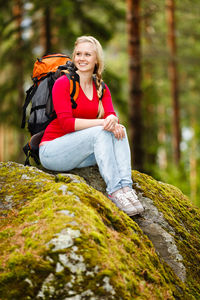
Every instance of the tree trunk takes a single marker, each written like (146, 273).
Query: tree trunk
(19, 65)
(135, 74)
(173, 76)
(149, 106)
(46, 34)
(162, 137)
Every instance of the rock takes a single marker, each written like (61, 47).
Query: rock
(62, 238)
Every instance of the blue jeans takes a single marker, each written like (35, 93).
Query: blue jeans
(86, 148)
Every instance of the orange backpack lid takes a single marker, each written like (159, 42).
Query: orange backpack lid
(48, 63)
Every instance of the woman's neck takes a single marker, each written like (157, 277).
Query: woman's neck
(85, 78)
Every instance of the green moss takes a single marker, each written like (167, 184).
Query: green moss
(98, 238)
(7, 233)
(111, 245)
(12, 282)
(68, 178)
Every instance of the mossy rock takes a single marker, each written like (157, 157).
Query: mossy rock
(61, 238)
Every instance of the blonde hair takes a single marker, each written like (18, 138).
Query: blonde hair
(99, 67)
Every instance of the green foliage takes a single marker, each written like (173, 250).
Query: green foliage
(22, 39)
(176, 176)
(155, 70)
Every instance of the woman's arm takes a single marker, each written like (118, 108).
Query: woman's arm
(86, 123)
(116, 129)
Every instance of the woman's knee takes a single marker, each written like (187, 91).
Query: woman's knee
(97, 129)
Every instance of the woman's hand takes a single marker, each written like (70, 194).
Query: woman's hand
(110, 122)
(119, 132)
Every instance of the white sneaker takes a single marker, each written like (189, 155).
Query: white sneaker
(133, 198)
(123, 203)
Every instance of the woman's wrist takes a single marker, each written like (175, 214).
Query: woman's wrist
(101, 121)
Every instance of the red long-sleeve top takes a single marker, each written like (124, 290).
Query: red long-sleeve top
(86, 109)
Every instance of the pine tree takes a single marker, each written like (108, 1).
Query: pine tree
(135, 78)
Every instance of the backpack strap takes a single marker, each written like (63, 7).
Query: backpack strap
(74, 86)
(50, 112)
(29, 95)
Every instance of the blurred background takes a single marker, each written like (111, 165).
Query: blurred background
(152, 69)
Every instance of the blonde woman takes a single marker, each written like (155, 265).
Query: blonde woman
(90, 134)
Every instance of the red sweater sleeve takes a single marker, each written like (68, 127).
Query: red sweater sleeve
(62, 104)
(107, 103)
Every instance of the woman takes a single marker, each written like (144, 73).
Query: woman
(91, 133)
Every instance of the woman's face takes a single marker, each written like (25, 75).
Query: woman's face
(85, 57)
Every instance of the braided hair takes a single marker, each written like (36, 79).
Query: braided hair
(99, 67)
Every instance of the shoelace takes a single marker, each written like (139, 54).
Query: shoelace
(132, 194)
(123, 200)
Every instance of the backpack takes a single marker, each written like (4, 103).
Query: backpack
(45, 72)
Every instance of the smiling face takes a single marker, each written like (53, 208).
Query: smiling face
(85, 57)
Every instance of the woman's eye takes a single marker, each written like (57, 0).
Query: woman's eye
(87, 54)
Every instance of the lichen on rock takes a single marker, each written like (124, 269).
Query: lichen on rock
(61, 238)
